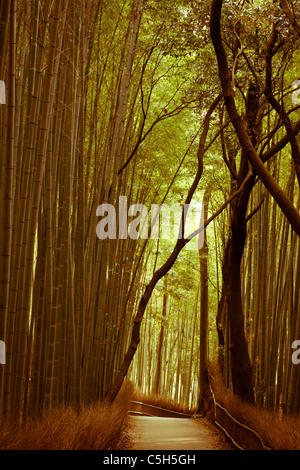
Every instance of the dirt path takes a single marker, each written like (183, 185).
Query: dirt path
(152, 433)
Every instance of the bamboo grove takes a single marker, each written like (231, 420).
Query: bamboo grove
(195, 100)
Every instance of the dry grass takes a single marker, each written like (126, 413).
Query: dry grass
(96, 427)
(162, 402)
(279, 432)
(103, 427)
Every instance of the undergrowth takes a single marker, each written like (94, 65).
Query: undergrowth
(278, 431)
(162, 402)
(94, 427)
(101, 426)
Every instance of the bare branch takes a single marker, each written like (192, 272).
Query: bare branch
(290, 15)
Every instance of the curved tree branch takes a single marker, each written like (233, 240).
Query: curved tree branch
(290, 15)
(279, 107)
(270, 183)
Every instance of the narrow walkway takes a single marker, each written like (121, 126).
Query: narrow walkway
(152, 433)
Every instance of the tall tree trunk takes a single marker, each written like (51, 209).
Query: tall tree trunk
(157, 378)
(241, 368)
(262, 172)
(203, 252)
(7, 171)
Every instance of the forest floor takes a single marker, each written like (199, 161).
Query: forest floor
(156, 433)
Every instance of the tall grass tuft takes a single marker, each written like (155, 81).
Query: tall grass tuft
(162, 402)
(277, 430)
(94, 427)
